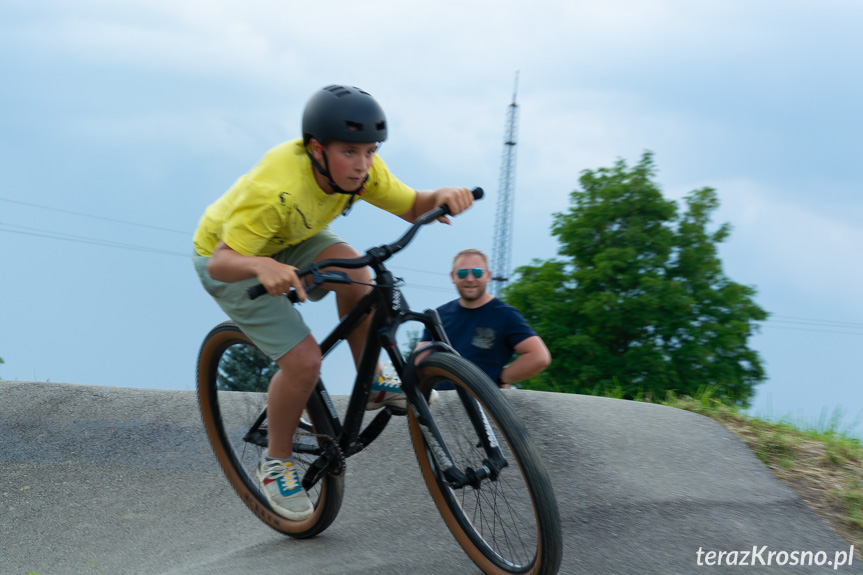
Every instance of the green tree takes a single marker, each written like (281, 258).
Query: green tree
(638, 304)
(245, 368)
(411, 344)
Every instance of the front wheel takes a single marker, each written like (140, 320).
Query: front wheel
(509, 521)
(233, 376)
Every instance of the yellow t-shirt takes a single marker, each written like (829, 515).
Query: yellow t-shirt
(279, 204)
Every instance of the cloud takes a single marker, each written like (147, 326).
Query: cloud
(809, 249)
(119, 40)
(200, 132)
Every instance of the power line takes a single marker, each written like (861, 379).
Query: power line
(415, 270)
(23, 230)
(27, 231)
(815, 330)
(815, 325)
(829, 323)
(83, 215)
(414, 286)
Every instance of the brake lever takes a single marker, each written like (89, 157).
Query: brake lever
(318, 278)
(331, 277)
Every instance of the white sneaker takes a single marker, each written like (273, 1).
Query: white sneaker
(281, 485)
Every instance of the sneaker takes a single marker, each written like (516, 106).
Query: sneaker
(387, 391)
(283, 489)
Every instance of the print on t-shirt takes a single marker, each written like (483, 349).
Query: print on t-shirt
(483, 338)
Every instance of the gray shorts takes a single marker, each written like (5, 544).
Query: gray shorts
(271, 323)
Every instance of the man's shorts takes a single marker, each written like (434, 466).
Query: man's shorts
(271, 323)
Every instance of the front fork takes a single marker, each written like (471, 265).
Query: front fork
(418, 402)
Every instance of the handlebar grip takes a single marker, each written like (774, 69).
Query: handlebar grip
(477, 192)
(256, 291)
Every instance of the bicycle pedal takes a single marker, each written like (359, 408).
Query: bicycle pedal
(397, 411)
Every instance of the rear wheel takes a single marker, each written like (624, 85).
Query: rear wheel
(508, 523)
(232, 381)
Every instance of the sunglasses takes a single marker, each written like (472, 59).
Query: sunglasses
(477, 272)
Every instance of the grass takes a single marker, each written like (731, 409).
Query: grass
(822, 464)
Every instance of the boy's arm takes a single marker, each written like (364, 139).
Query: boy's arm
(458, 200)
(229, 266)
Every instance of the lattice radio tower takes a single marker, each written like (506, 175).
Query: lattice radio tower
(502, 248)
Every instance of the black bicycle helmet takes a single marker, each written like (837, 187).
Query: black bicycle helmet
(344, 113)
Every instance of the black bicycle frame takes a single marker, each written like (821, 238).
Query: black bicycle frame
(389, 310)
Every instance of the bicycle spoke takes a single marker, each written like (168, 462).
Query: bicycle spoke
(505, 517)
(232, 379)
(499, 510)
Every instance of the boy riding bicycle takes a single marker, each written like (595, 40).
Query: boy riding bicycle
(274, 220)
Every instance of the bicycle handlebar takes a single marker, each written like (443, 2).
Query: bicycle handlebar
(373, 255)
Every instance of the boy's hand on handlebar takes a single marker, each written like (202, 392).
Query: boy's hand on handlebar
(457, 199)
(280, 278)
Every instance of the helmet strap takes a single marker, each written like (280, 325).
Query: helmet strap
(325, 171)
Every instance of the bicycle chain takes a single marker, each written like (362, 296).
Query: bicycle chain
(331, 443)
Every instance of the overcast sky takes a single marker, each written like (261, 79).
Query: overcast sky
(120, 123)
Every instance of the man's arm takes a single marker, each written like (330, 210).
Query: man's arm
(423, 355)
(533, 358)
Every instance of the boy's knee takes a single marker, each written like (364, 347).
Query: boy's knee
(303, 362)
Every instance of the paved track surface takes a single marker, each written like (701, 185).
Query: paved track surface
(98, 480)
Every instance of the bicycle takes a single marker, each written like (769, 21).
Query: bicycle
(476, 457)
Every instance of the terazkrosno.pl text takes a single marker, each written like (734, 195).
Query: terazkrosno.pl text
(764, 556)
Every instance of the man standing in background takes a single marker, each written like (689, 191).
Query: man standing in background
(487, 331)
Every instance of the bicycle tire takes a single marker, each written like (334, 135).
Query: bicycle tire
(228, 415)
(510, 524)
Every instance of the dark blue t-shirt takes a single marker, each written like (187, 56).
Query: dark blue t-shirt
(486, 335)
